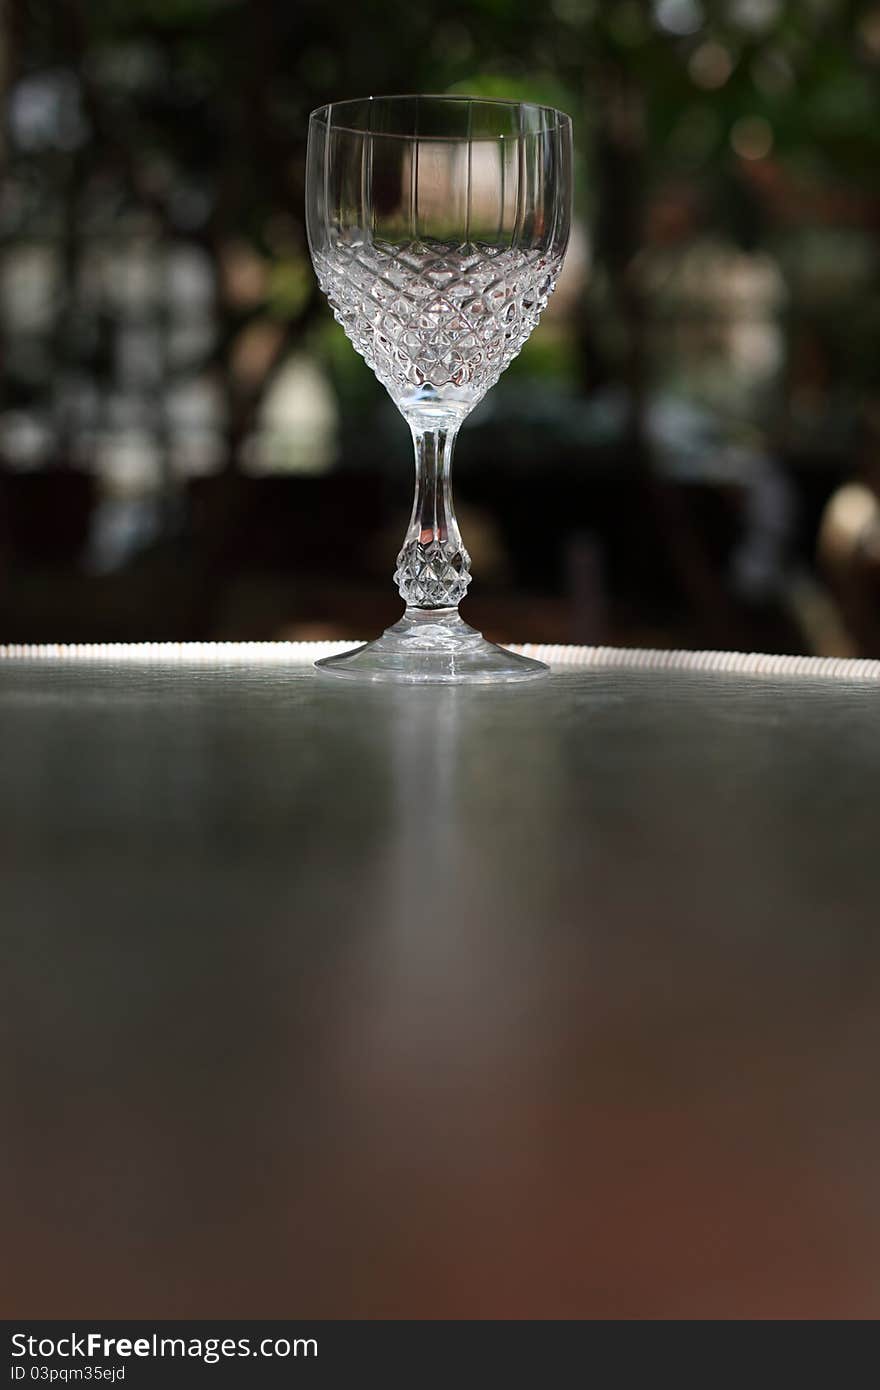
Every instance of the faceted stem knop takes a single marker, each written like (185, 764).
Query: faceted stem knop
(433, 568)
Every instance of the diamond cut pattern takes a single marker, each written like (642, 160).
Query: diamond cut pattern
(435, 314)
(434, 575)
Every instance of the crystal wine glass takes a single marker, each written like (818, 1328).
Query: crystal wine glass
(437, 227)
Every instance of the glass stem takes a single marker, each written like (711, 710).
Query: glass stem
(433, 568)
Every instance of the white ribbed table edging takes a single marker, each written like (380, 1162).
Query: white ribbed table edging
(556, 655)
(237, 653)
(737, 663)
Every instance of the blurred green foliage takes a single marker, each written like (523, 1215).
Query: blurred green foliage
(194, 115)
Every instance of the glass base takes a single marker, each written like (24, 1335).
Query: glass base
(432, 646)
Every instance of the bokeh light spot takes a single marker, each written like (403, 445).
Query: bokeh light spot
(752, 137)
(710, 65)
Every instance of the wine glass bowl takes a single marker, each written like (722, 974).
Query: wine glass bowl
(438, 323)
(437, 228)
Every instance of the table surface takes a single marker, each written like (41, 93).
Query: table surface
(327, 1001)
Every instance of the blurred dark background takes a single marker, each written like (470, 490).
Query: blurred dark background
(686, 453)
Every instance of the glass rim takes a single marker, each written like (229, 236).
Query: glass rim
(320, 114)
